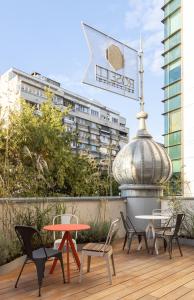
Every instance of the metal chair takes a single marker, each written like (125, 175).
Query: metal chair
(36, 252)
(131, 232)
(163, 212)
(64, 219)
(169, 235)
(101, 250)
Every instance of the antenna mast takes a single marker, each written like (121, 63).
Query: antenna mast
(141, 72)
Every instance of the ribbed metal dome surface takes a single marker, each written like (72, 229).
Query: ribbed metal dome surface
(142, 161)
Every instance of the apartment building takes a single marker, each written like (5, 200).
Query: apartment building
(101, 131)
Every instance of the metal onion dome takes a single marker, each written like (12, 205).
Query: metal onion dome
(142, 161)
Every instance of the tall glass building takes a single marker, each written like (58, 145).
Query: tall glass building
(172, 83)
(179, 89)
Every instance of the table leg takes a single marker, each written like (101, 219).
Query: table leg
(151, 233)
(67, 250)
(147, 234)
(74, 252)
(65, 237)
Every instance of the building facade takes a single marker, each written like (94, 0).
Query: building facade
(179, 89)
(101, 131)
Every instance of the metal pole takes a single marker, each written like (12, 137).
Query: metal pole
(141, 72)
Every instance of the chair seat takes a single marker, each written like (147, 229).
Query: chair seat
(96, 247)
(167, 233)
(40, 253)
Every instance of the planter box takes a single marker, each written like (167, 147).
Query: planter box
(11, 266)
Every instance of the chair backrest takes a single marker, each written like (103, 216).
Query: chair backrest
(112, 230)
(128, 225)
(163, 212)
(29, 238)
(65, 219)
(179, 220)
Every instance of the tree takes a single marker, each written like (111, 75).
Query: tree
(36, 157)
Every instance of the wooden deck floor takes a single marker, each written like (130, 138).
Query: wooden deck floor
(139, 276)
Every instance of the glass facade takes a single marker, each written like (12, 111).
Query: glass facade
(172, 55)
(172, 103)
(172, 41)
(172, 6)
(172, 24)
(172, 72)
(172, 82)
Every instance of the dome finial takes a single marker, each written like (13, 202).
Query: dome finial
(142, 115)
(141, 72)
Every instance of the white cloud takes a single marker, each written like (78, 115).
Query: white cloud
(146, 16)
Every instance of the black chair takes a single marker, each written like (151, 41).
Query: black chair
(36, 252)
(131, 232)
(169, 235)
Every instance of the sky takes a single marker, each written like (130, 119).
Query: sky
(46, 36)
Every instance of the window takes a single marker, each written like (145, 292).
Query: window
(172, 24)
(172, 41)
(173, 72)
(93, 136)
(175, 120)
(172, 90)
(82, 108)
(172, 55)
(115, 120)
(82, 146)
(93, 148)
(104, 139)
(83, 135)
(175, 152)
(172, 139)
(94, 126)
(176, 166)
(171, 7)
(94, 113)
(172, 103)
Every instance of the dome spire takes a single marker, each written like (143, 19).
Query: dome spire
(142, 115)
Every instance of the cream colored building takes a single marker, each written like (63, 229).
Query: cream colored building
(101, 130)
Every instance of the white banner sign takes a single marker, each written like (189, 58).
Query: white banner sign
(113, 65)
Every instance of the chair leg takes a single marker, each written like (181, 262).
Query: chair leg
(88, 263)
(125, 240)
(113, 265)
(81, 267)
(139, 238)
(154, 243)
(181, 253)
(129, 243)
(40, 264)
(165, 245)
(146, 243)
(62, 266)
(16, 284)
(108, 268)
(170, 248)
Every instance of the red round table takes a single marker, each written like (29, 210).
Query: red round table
(67, 228)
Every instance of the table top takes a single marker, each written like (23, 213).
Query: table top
(153, 217)
(66, 227)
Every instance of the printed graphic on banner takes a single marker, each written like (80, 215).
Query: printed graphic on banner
(113, 65)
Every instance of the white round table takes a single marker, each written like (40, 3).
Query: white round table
(150, 230)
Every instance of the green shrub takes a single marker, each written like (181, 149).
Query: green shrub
(97, 233)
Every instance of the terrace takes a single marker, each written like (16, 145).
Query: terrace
(139, 276)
